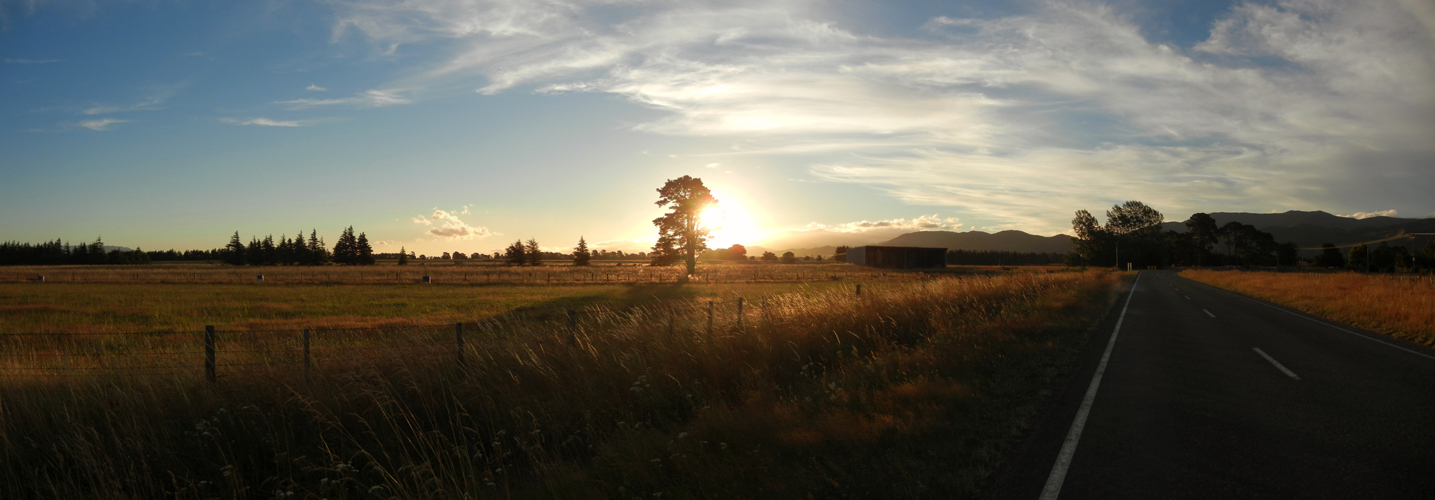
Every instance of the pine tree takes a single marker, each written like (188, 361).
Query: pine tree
(514, 254)
(255, 255)
(318, 254)
(580, 253)
(345, 251)
(365, 252)
(533, 253)
(97, 252)
(301, 250)
(234, 251)
(271, 254)
(403, 257)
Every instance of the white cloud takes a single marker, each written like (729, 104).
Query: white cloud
(1016, 121)
(371, 98)
(101, 124)
(713, 165)
(263, 122)
(450, 227)
(315, 88)
(1367, 215)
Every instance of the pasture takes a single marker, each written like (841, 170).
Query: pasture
(913, 388)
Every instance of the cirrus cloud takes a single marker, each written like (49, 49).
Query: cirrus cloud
(1014, 120)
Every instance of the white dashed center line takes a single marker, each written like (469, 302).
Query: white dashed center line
(1208, 313)
(1273, 361)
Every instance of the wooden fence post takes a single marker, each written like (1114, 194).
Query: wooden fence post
(710, 318)
(739, 313)
(306, 353)
(458, 340)
(209, 352)
(859, 289)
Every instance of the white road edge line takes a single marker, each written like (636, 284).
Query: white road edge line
(1208, 313)
(1302, 316)
(1068, 448)
(1278, 364)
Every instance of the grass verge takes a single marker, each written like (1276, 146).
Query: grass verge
(910, 391)
(1400, 306)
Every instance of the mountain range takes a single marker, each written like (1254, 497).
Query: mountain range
(1307, 229)
(1313, 229)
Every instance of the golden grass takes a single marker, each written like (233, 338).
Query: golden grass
(906, 391)
(448, 273)
(110, 307)
(1402, 306)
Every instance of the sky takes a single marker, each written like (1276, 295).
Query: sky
(465, 125)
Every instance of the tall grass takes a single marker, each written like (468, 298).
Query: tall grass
(1399, 306)
(114, 307)
(904, 391)
(443, 273)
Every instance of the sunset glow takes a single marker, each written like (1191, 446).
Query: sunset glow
(729, 224)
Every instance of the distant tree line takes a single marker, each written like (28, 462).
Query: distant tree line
(349, 250)
(55, 253)
(1001, 258)
(1132, 234)
(172, 255)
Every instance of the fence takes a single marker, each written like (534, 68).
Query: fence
(448, 275)
(218, 353)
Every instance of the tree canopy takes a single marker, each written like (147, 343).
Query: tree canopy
(680, 230)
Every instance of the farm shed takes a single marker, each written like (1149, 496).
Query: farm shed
(898, 257)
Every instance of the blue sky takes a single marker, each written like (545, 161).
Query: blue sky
(464, 125)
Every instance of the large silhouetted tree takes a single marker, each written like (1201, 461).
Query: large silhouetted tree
(1203, 229)
(687, 197)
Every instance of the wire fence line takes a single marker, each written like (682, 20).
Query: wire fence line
(223, 350)
(443, 275)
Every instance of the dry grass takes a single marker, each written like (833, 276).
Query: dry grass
(448, 273)
(1399, 306)
(906, 391)
(108, 307)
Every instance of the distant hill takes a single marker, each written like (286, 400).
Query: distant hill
(1008, 241)
(1312, 229)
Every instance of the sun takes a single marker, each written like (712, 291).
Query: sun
(727, 224)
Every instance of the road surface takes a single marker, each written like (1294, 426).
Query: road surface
(1206, 394)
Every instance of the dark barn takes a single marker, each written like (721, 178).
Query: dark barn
(898, 257)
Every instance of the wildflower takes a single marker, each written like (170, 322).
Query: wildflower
(682, 435)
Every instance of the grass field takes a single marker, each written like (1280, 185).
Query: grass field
(1402, 306)
(912, 389)
(448, 273)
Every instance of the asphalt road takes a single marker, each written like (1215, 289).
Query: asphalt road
(1209, 394)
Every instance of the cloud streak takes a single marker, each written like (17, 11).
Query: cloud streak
(263, 122)
(370, 99)
(1014, 121)
(932, 222)
(100, 125)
